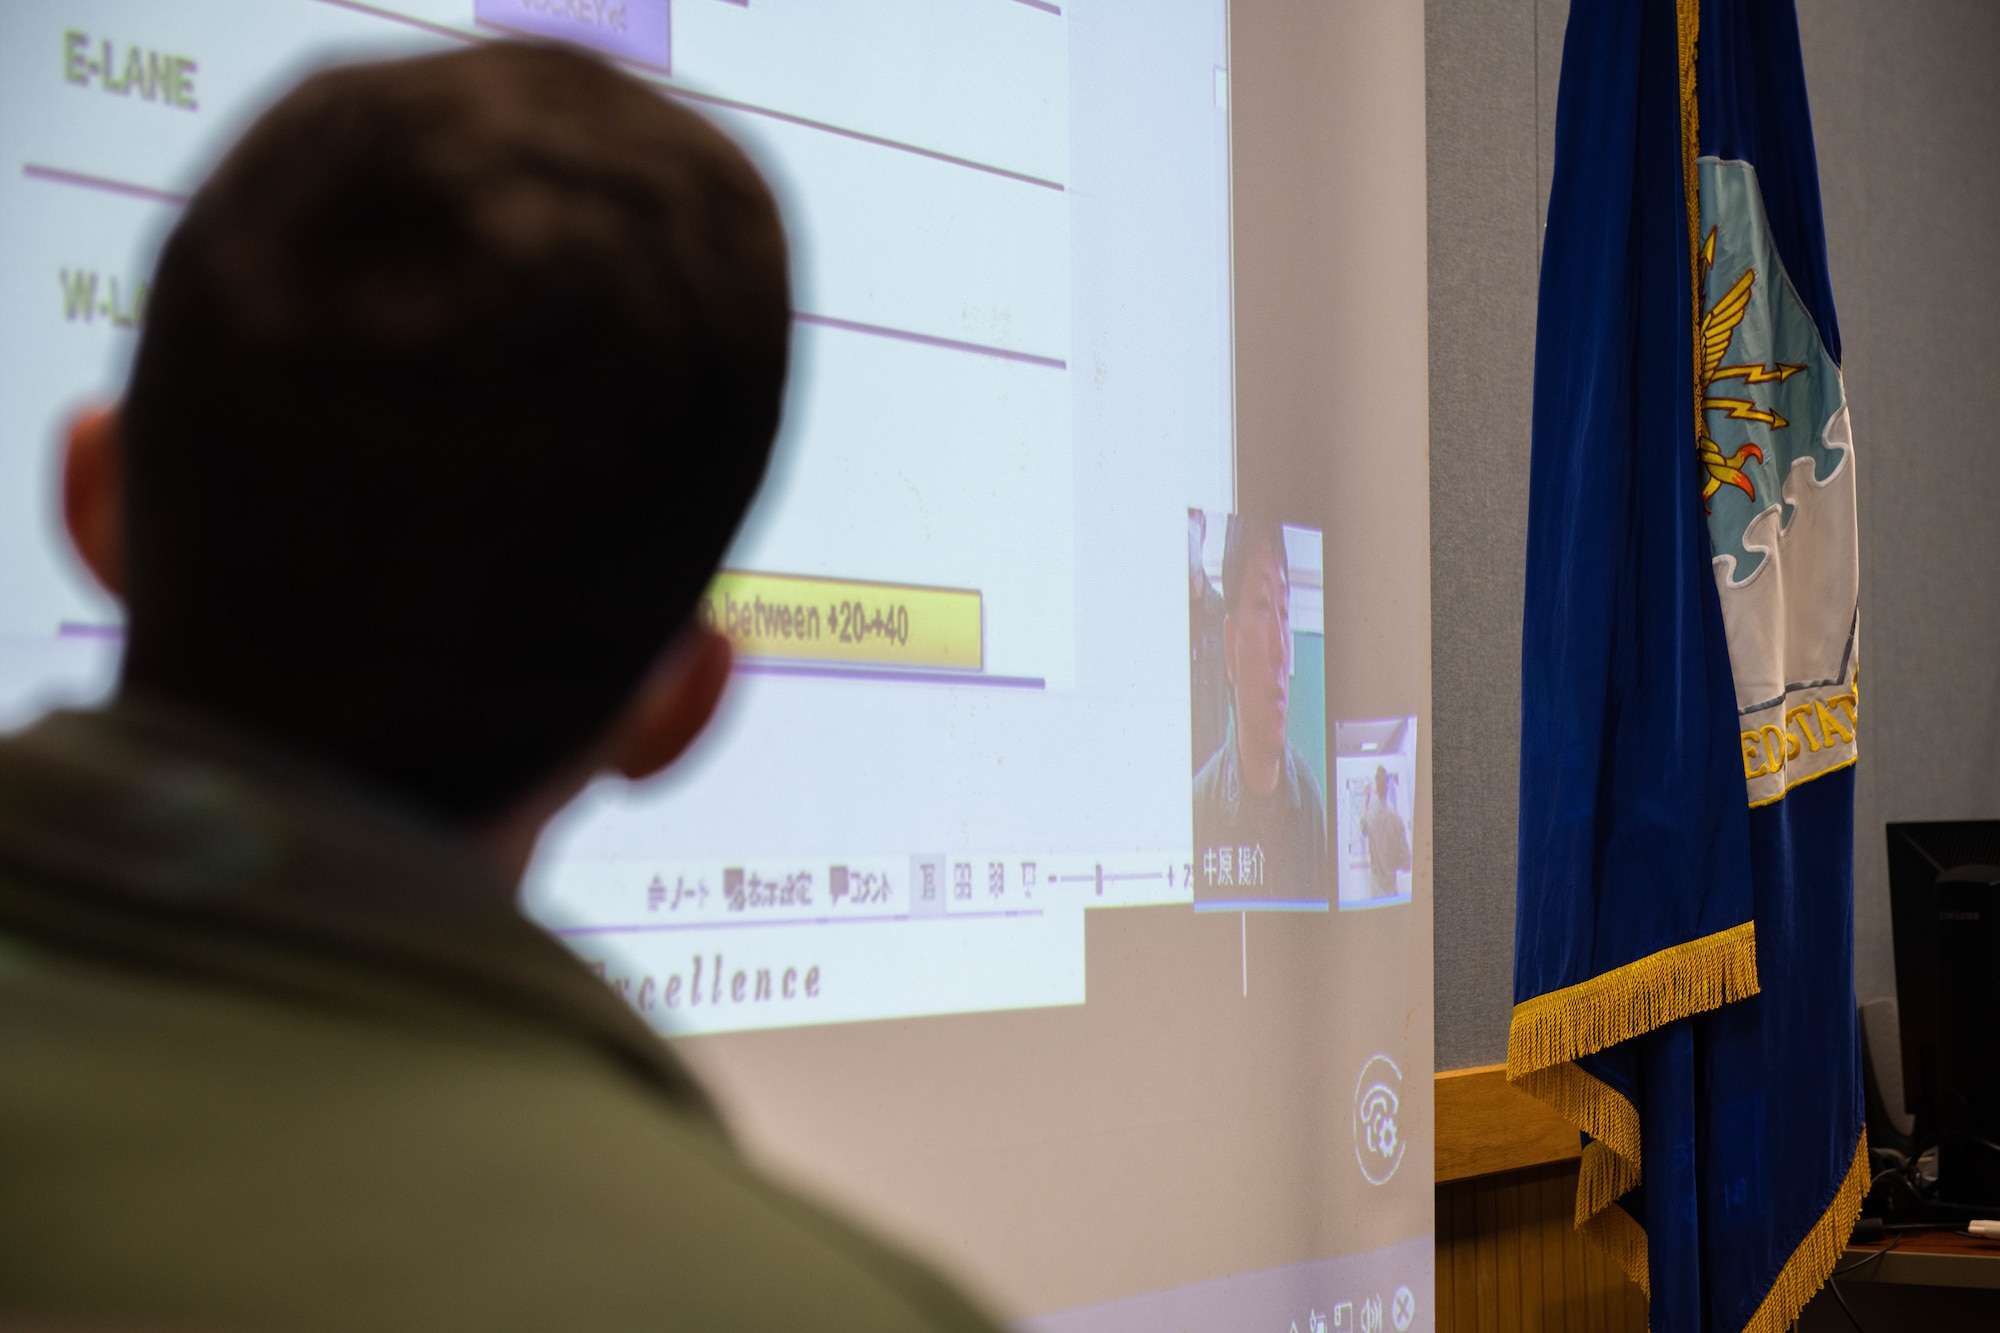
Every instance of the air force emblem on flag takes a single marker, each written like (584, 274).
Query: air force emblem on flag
(1777, 463)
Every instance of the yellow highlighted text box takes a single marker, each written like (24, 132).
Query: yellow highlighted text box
(845, 620)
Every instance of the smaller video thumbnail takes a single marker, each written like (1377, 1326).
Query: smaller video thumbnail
(1375, 799)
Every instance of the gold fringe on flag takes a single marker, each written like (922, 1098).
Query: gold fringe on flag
(1550, 1031)
(1688, 18)
(1610, 1166)
(1812, 1262)
(1599, 1110)
(1603, 1178)
(1614, 1232)
(1632, 1000)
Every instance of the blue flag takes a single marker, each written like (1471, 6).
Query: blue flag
(1684, 936)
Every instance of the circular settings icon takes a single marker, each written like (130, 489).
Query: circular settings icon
(1402, 1308)
(1378, 1138)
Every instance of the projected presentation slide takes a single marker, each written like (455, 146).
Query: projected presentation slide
(1007, 901)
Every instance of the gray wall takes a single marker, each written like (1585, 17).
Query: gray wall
(1906, 104)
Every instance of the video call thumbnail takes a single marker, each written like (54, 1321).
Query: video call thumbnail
(1257, 691)
(1374, 774)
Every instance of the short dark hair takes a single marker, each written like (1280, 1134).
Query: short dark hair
(1240, 540)
(457, 377)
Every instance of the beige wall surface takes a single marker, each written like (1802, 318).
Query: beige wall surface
(1194, 1118)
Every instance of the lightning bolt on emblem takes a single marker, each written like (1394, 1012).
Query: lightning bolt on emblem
(1718, 331)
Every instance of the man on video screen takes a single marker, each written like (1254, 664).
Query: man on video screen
(1388, 842)
(1257, 806)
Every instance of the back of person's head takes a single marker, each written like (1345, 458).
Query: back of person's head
(457, 377)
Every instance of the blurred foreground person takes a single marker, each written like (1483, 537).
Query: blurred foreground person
(457, 378)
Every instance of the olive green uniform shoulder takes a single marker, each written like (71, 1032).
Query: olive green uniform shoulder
(273, 1059)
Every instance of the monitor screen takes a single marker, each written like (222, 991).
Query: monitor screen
(1940, 873)
(1053, 889)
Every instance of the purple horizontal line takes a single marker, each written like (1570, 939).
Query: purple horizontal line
(770, 668)
(748, 108)
(657, 928)
(56, 175)
(929, 340)
(662, 928)
(860, 136)
(1042, 5)
(1261, 905)
(71, 629)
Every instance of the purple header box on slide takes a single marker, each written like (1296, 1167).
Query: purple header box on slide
(635, 30)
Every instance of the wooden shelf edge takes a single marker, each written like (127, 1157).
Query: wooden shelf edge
(1485, 1125)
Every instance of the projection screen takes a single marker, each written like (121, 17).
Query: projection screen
(1102, 497)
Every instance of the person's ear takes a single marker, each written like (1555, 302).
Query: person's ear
(674, 704)
(93, 495)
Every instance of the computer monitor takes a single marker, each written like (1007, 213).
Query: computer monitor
(1944, 892)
